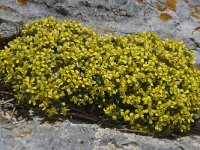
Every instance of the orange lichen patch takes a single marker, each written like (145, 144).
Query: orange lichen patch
(4, 7)
(165, 16)
(171, 5)
(109, 31)
(196, 12)
(3, 120)
(21, 2)
(160, 8)
(141, 2)
(24, 134)
(195, 15)
(27, 132)
(197, 29)
(197, 8)
(20, 136)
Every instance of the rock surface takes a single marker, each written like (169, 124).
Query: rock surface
(178, 19)
(70, 134)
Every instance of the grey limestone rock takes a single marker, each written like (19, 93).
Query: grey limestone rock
(67, 135)
(123, 17)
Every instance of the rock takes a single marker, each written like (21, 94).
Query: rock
(69, 134)
(121, 17)
(183, 11)
(196, 39)
(186, 28)
(133, 9)
(197, 59)
(190, 44)
(6, 139)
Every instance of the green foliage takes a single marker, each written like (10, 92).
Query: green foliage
(150, 83)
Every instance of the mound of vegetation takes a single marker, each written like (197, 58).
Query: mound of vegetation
(148, 83)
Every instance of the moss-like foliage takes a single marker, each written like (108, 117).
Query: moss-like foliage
(149, 83)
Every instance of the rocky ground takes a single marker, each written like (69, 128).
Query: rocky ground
(36, 133)
(177, 19)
